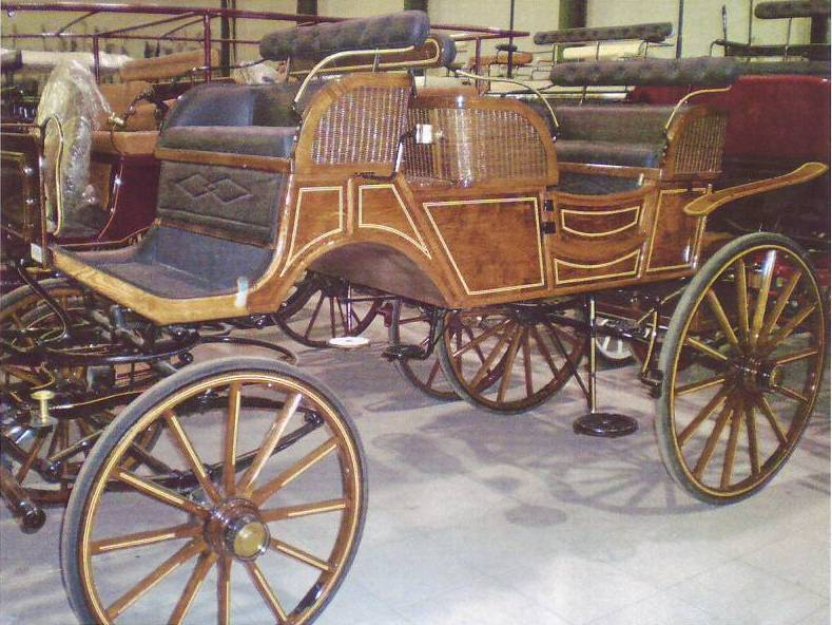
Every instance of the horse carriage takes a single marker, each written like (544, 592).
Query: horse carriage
(503, 230)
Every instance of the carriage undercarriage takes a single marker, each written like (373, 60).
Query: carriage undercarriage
(490, 258)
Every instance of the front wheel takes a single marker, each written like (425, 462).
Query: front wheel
(742, 364)
(250, 510)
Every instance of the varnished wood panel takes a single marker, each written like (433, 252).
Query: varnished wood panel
(381, 208)
(599, 223)
(319, 213)
(493, 244)
(675, 235)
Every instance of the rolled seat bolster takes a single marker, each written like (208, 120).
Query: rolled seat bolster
(315, 43)
(792, 8)
(699, 71)
(654, 33)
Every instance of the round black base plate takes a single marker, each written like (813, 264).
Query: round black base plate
(605, 424)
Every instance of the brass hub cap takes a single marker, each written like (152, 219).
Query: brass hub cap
(759, 375)
(236, 529)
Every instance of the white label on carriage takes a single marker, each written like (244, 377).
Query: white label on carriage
(242, 292)
(36, 251)
(424, 134)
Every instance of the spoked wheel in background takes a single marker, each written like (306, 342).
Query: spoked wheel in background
(410, 325)
(508, 359)
(613, 350)
(751, 330)
(45, 461)
(255, 518)
(322, 308)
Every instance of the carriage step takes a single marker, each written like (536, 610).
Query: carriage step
(652, 378)
(403, 352)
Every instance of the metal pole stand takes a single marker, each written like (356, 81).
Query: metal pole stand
(601, 424)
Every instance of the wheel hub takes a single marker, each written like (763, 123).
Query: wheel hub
(759, 375)
(236, 529)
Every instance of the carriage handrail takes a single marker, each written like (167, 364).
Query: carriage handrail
(525, 85)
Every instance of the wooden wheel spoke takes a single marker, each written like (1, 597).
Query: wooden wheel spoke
(796, 356)
(143, 539)
(147, 583)
(160, 493)
(781, 303)
(224, 590)
(302, 510)
(232, 426)
(487, 363)
(713, 439)
(701, 416)
(705, 349)
(547, 356)
(508, 363)
(722, 318)
(527, 363)
(260, 495)
(475, 342)
(477, 347)
(701, 385)
(790, 393)
(266, 592)
(300, 555)
(186, 448)
(195, 581)
(314, 316)
(762, 296)
(742, 299)
(788, 329)
(270, 442)
(772, 419)
(753, 444)
(434, 371)
(731, 449)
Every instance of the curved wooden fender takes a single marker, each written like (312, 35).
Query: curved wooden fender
(707, 204)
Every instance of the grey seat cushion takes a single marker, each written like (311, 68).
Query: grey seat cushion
(610, 153)
(254, 140)
(178, 264)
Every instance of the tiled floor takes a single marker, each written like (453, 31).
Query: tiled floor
(515, 520)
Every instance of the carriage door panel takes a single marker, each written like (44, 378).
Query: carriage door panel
(493, 244)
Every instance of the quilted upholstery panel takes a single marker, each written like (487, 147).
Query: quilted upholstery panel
(654, 33)
(619, 123)
(316, 42)
(699, 71)
(227, 202)
(793, 8)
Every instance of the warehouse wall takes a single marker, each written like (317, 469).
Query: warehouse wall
(703, 21)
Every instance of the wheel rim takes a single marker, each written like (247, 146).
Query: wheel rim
(296, 479)
(331, 308)
(46, 461)
(410, 325)
(746, 372)
(509, 359)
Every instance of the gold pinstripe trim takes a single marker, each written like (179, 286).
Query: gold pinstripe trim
(420, 243)
(635, 254)
(587, 213)
(468, 291)
(292, 255)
